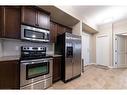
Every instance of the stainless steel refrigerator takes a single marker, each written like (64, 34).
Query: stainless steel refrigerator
(69, 45)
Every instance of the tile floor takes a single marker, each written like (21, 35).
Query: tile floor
(96, 77)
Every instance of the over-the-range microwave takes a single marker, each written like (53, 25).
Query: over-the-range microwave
(34, 34)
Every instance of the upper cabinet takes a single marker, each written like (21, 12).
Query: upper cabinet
(10, 18)
(60, 29)
(35, 17)
(53, 32)
(56, 30)
(29, 16)
(43, 20)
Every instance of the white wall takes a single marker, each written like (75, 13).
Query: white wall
(12, 47)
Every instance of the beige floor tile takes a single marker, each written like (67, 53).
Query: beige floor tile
(96, 77)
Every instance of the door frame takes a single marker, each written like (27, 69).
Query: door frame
(114, 56)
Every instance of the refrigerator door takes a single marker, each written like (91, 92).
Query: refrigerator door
(68, 57)
(76, 56)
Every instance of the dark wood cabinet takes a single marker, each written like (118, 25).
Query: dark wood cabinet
(67, 29)
(56, 30)
(56, 68)
(43, 20)
(10, 20)
(9, 74)
(53, 32)
(36, 17)
(29, 16)
(60, 29)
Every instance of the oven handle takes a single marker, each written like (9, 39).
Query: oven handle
(37, 62)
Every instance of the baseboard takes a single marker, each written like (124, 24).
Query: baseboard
(89, 64)
(111, 67)
(122, 67)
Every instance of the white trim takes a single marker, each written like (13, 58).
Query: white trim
(89, 64)
(119, 33)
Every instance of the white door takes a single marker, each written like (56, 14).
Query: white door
(102, 50)
(86, 48)
(121, 51)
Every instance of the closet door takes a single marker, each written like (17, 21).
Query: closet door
(102, 50)
(121, 49)
(86, 48)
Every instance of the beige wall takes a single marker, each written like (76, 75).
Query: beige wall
(120, 26)
(94, 47)
(70, 10)
(77, 29)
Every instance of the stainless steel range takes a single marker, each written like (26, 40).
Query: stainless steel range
(35, 68)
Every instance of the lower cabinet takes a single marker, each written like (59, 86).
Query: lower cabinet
(56, 69)
(9, 74)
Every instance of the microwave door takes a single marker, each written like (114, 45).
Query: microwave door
(34, 34)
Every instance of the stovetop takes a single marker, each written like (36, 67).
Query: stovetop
(37, 57)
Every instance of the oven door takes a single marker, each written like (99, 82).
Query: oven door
(35, 70)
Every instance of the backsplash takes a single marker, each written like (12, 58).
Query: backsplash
(0, 48)
(11, 47)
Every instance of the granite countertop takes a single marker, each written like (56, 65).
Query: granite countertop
(56, 55)
(9, 58)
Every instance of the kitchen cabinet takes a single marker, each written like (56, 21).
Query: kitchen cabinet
(69, 30)
(43, 20)
(56, 68)
(10, 20)
(53, 32)
(36, 17)
(9, 74)
(56, 30)
(60, 29)
(29, 16)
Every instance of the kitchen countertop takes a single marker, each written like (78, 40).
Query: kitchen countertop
(9, 58)
(56, 55)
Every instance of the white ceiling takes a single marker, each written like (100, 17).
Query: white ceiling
(99, 14)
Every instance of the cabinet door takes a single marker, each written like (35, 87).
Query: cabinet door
(11, 22)
(56, 69)
(9, 75)
(69, 30)
(43, 20)
(29, 16)
(1, 21)
(60, 29)
(53, 32)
